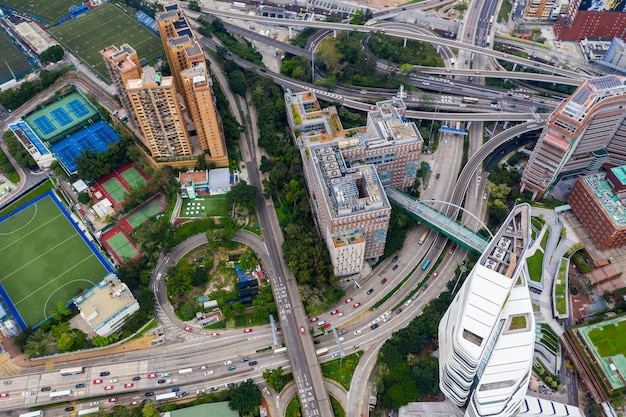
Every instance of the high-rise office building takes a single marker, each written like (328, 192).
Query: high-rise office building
(191, 76)
(123, 65)
(583, 133)
(586, 18)
(158, 111)
(487, 335)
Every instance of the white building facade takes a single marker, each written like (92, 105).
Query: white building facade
(487, 336)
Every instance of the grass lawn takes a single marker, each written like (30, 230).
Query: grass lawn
(544, 239)
(338, 410)
(49, 10)
(107, 25)
(535, 264)
(610, 339)
(582, 262)
(538, 222)
(505, 11)
(13, 58)
(342, 372)
(216, 206)
(293, 408)
(559, 288)
(44, 260)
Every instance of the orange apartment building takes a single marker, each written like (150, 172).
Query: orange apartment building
(191, 76)
(585, 132)
(123, 65)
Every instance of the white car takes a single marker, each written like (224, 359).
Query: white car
(26, 393)
(207, 373)
(357, 332)
(113, 380)
(228, 362)
(91, 404)
(200, 391)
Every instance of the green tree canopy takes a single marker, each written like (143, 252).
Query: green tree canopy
(245, 397)
(53, 54)
(243, 195)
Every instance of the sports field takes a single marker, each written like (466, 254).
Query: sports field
(119, 244)
(606, 345)
(12, 58)
(115, 189)
(105, 26)
(44, 259)
(205, 207)
(610, 339)
(134, 178)
(49, 10)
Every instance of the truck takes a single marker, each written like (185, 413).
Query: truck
(321, 352)
(167, 396)
(423, 237)
(185, 371)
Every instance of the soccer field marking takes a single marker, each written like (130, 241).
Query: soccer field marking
(42, 254)
(32, 231)
(45, 308)
(27, 223)
(53, 280)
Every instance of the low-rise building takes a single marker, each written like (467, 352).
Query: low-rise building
(106, 306)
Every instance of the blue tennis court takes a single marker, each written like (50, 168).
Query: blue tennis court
(61, 116)
(96, 137)
(78, 108)
(44, 124)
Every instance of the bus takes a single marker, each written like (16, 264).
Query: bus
(88, 411)
(425, 265)
(423, 237)
(488, 40)
(491, 20)
(33, 414)
(469, 100)
(321, 352)
(166, 397)
(72, 371)
(185, 371)
(280, 350)
(59, 394)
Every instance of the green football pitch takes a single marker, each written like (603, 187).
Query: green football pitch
(102, 27)
(49, 10)
(610, 339)
(44, 260)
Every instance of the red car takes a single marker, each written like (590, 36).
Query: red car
(349, 300)
(129, 385)
(113, 400)
(203, 367)
(135, 403)
(247, 330)
(215, 334)
(97, 381)
(452, 249)
(326, 326)
(332, 313)
(302, 331)
(314, 319)
(189, 329)
(357, 305)
(152, 375)
(448, 70)
(383, 280)
(109, 387)
(4, 395)
(433, 276)
(476, 72)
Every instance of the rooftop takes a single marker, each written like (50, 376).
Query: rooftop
(603, 192)
(347, 190)
(104, 300)
(620, 173)
(150, 79)
(490, 283)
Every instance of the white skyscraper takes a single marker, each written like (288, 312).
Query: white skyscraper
(487, 336)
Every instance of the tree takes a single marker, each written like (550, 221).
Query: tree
(245, 397)
(274, 378)
(426, 375)
(148, 409)
(243, 195)
(193, 5)
(53, 54)
(66, 342)
(84, 198)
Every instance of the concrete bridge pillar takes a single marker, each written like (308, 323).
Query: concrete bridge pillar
(290, 32)
(334, 33)
(404, 43)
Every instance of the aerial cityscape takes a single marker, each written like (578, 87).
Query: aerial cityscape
(313, 208)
